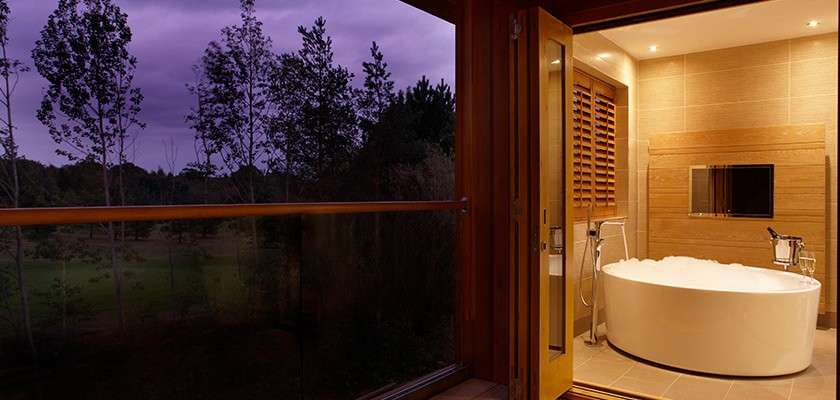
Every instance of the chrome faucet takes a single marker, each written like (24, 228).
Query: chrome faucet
(594, 237)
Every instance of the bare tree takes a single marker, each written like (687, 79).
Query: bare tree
(127, 106)
(201, 121)
(171, 155)
(10, 70)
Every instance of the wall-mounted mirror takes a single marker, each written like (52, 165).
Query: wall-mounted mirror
(744, 190)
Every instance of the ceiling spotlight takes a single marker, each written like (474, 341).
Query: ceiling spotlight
(812, 23)
(604, 55)
(653, 48)
(555, 62)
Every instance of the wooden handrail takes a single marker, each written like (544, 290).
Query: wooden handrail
(85, 215)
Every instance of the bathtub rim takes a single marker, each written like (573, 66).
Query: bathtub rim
(816, 284)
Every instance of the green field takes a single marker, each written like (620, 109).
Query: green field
(208, 279)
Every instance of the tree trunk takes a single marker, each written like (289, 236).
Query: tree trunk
(171, 280)
(286, 183)
(12, 152)
(236, 257)
(288, 167)
(252, 158)
(24, 293)
(64, 297)
(121, 131)
(253, 221)
(116, 268)
(121, 185)
(118, 277)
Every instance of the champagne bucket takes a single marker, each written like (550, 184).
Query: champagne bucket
(786, 250)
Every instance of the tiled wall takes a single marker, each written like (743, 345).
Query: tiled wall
(619, 68)
(769, 84)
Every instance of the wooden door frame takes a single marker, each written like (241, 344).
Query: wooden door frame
(491, 315)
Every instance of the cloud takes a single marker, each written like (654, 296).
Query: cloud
(169, 37)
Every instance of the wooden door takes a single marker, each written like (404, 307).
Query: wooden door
(551, 221)
(541, 228)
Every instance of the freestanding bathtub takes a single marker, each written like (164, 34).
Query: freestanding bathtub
(708, 317)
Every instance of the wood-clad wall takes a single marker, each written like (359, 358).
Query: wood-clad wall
(785, 82)
(798, 153)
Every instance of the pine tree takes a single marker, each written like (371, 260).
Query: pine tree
(377, 95)
(289, 93)
(326, 118)
(433, 107)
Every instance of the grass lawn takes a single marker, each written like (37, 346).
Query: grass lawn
(204, 279)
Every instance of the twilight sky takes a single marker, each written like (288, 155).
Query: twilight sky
(170, 36)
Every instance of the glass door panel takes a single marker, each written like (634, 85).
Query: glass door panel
(554, 174)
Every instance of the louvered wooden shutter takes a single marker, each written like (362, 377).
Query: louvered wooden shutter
(584, 160)
(594, 146)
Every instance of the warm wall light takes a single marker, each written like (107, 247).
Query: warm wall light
(555, 62)
(812, 23)
(653, 48)
(604, 56)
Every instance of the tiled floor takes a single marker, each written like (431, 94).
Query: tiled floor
(604, 366)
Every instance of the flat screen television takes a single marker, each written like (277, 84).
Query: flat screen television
(743, 190)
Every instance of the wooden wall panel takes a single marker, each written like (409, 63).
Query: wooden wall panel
(807, 94)
(799, 176)
(798, 153)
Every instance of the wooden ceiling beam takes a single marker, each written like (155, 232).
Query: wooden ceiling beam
(596, 15)
(443, 9)
(592, 15)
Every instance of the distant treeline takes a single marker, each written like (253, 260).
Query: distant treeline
(389, 165)
(267, 126)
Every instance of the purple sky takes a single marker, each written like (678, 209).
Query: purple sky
(170, 35)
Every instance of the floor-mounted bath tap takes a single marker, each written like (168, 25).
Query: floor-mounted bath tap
(595, 243)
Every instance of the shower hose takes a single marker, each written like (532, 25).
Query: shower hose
(594, 263)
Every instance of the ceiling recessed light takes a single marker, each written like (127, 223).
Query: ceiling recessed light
(604, 55)
(555, 62)
(653, 48)
(812, 23)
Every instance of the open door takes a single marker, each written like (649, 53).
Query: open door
(551, 301)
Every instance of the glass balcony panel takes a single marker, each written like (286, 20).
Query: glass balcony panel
(314, 307)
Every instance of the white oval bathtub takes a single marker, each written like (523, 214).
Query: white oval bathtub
(715, 318)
